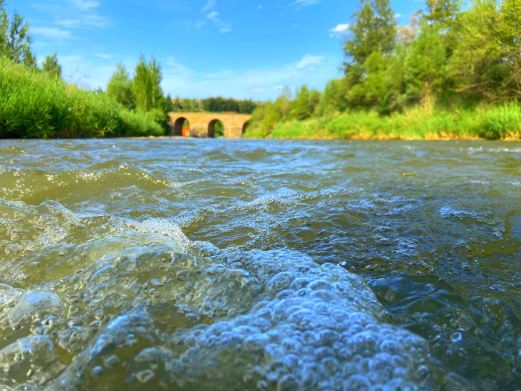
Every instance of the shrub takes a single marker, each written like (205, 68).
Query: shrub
(34, 105)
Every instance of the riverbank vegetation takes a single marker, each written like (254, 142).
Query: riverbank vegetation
(214, 105)
(36, 103)
(453, 72)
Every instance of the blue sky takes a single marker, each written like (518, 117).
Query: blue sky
(233, 48)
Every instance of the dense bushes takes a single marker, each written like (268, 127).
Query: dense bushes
(35, 105)
(501, 122)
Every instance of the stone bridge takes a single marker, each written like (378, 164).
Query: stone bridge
(203, 124)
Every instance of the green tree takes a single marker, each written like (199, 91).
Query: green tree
(52, 67)
(425, 65)
(15, 41)
(486, 63)
(333, 99)
(147, 90)
(442, 13)
(305, 103)
(374, 30)
(120, 87)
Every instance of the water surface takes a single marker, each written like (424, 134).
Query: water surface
(231, 265)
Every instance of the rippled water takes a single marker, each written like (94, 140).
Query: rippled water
(232, 265)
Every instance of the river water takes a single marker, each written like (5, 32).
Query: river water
(234, 265)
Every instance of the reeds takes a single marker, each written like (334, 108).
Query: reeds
(34, 105)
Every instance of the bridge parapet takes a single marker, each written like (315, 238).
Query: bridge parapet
(203, 124)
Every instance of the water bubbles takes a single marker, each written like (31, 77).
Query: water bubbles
(97, 371)
(456, 337)
(145, 376)
(142, 303)
(32, 304)
(497, 288)
(111, 361)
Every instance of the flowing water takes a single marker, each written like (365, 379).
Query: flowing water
(234, 265)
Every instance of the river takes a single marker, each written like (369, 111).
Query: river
(271, 265)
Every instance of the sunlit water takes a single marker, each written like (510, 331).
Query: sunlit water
(233, 265)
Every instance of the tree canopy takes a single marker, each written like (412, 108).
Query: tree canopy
(15, 41)
(52, 67)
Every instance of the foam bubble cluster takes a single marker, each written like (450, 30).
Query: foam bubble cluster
(143, 306)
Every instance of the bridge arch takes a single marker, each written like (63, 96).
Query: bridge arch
(203, 124)
(216, 128)
(181, 127)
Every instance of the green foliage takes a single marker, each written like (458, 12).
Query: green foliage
(147, 90)
(52, 67)
(139, 124)
(305, 103)
(219, 129)
(15, 41)
(424, 68)
(374, 30)
(34, 105)
(267, 116)
(503, 122)
(442, 13)
(428, 77)
(487, 59)
(333, 99)
(215, 105)
(187, 105)
(120, 87)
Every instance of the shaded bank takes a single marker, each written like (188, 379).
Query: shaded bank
(492, 123)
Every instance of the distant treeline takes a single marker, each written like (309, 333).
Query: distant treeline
(214, 105)
(447, 58)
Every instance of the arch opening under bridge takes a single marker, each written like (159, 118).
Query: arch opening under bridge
(215, 129)
(206, 124)
(181, 127)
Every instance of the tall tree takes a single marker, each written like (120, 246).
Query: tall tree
(120, 87)
(442, 12)
(52, 67)
(147, 85)
(487, 61)
(374, 30)
(511, 39)
(15, 41)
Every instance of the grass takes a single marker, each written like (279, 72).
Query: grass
(419, 123)
(33, 105)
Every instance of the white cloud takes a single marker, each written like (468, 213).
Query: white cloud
(339, 30)
(85, 4)
(87, 71)
(309, 61)
(51, 33)
(65, 17)
(104, 56)
(259, 83)
(87, 19)
(306, 2)
(94, 71)
(211, 15)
